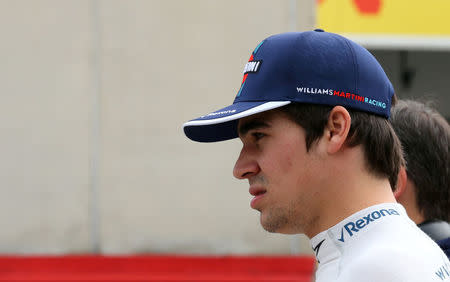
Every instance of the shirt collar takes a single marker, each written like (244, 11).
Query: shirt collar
(329, 244)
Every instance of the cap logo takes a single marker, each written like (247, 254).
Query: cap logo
(342, 94)
(252, 66)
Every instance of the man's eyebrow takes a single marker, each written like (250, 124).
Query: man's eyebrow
(250, 125)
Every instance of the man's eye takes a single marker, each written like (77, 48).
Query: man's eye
(258, 135)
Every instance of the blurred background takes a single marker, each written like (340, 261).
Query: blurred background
(94, 94)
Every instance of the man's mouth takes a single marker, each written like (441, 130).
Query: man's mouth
(258, 193)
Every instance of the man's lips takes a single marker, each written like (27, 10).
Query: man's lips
(258, 192)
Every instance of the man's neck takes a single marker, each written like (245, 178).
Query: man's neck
(350, 188)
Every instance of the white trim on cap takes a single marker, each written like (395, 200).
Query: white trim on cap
(258, 109)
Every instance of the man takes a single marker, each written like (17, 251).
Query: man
(322, 159)
(424, 185)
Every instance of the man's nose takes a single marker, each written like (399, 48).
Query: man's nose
(246, 165)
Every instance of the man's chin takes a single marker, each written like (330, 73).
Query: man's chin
(269, 229)
(273, 225)
(285, 231)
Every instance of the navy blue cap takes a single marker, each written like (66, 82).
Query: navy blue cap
(314, 67)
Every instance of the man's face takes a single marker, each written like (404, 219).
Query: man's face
(282, 175)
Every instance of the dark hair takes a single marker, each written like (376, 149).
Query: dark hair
(425, 137)
(382, 149)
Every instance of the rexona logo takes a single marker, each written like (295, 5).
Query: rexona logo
(352, 227)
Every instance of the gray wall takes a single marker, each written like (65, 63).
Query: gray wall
(46, 89)
(94, 94)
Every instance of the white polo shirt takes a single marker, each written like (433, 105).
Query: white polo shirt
(378, 244)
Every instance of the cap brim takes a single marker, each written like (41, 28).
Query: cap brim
(222, 124)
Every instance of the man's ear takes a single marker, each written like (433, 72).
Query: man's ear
(400, 188)
(337, 128)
